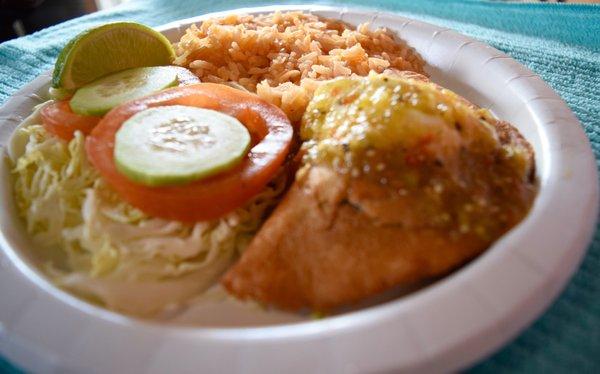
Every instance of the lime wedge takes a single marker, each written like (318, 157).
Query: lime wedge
(107, 49)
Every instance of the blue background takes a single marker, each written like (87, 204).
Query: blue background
(559, 42)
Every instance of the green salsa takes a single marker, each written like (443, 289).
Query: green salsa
(407, 139)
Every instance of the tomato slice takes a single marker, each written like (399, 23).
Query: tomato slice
(209, 198)
(59, 119)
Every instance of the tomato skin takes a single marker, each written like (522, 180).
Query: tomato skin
(59, 119)
(208, 198)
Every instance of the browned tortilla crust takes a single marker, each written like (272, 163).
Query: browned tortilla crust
(318, 251)
(335, 240)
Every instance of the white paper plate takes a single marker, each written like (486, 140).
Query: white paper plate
(443, 327)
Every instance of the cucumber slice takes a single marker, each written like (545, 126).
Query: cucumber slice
(100, 96)
(176, 144)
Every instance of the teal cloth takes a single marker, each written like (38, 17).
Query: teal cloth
(559, 42)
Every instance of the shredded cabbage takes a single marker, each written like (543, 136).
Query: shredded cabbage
(111, 252)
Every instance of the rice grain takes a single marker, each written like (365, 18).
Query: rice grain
(283, 57)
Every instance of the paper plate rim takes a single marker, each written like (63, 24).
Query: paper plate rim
(415, 332)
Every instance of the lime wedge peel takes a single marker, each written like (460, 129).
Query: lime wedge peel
(107, 49)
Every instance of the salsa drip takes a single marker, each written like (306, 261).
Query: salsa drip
(423, 147)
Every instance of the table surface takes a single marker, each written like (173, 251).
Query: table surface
(560, 42)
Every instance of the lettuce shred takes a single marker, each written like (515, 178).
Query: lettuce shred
(111, 252)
